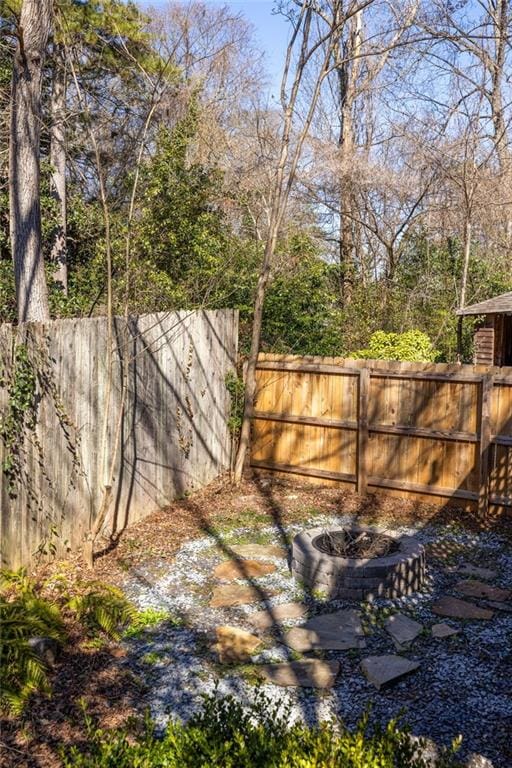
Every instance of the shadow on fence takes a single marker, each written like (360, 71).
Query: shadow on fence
(434, 432)
(168, 400)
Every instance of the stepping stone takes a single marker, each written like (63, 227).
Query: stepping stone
(242, 569)
(234, 644)
(402, 629)
(440, 631)
(229, 595)
(505, 607)
(261, 551)
(472, 588)
(337, 631)
(276, 614)
(310, 673)
(383, 671)
(459, 609)
(476, 573)
(247, 499)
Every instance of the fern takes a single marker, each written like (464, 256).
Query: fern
(16, 581)
(25, 613)
(104, 608)
(22, 616)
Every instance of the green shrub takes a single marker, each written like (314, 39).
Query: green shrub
(412, 346)
(226, 734)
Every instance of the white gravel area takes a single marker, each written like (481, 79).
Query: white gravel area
(463, 685)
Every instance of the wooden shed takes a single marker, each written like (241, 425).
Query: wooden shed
(493, 336)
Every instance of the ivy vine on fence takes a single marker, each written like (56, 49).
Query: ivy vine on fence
(20, 415)
(28, 380)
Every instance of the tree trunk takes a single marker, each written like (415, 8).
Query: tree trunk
(347, 70)
(24, 168)
(284, 177)
(464, 284)
(501, 20)
(58, 253)
(250, 380)
(465, 266)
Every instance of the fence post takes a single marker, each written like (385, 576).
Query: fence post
(362, 430)
(484, 430)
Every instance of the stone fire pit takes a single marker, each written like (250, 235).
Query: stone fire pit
(358, 563)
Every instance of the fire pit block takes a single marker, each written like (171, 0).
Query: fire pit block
(399, 572)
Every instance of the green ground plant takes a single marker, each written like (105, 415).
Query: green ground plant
(228, 734)
(27, 611)
(23, 615)
(102, 607)
(147, 620)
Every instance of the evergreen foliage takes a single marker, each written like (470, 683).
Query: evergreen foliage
(227, 734)
(411, 346)
(301, 313)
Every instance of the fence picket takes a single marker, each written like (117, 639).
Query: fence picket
(440, 431)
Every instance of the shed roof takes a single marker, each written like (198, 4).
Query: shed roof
(499, 305)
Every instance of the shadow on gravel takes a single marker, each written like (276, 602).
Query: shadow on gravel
(420, 704)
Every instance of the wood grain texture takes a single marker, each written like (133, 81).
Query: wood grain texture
(174, 432)
(436, 431)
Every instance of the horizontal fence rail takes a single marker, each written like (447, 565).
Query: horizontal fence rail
(437, 431)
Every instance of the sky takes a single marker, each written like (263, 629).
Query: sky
(271, 32)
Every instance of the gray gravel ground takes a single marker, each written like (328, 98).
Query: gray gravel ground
(463, 686)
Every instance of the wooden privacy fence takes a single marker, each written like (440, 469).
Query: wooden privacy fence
(173, 435)
(433, 431)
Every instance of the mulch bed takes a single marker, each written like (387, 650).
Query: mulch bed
(92, 676)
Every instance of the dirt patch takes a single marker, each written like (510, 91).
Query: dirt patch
(83, 680)
(259, 502)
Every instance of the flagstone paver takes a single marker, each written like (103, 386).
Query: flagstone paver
(383, 671)
(470, 665)
(504, 607)
(234, 644)
(338, 631)
(475, 572)
(402, 629)
(242, 569)
(442, 630)
(277, 614)
(459, 609)
(473, 588)
(309, 673)
(229, 595)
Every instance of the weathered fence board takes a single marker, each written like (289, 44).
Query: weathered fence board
(173, 435)
(431, 431)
